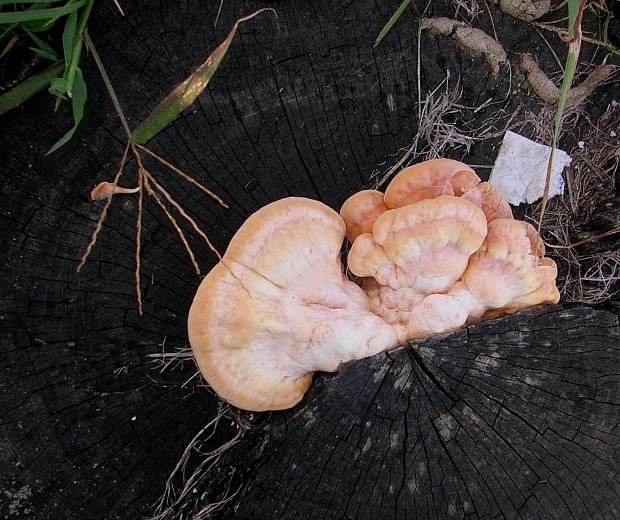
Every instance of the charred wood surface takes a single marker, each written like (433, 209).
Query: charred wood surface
(516, 417)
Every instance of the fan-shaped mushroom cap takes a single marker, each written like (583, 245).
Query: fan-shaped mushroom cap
(509, 272)
(360, 211)
(415, 251)
(428, 180)
(424, 246)
(277, 308)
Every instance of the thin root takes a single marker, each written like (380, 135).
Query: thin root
(104, 212)
(138, 239)
(174, 223)
(180, 209)
(184, 175)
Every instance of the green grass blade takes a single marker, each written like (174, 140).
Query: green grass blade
(605, 32)
(78, 103)
(7, 30)
(52, 56)
(68, 35)
(25, 90)
(12, 2)
(77, 42)
(40, 14)
(42, 49)
(60, 87)
(187, 92)
(575, 10)
(391, 22)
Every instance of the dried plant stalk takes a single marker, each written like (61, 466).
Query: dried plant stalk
(174, 223)
(184, 175)
(104, 212)
(180, 209)
(138, 239)
(181, 504)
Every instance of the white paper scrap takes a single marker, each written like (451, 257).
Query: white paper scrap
(520, 170)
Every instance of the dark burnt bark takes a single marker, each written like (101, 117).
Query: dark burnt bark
(512, 418)
(302, 105)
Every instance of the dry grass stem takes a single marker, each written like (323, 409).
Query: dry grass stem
(439, 129)
(118, 6)
(186, 503)
(219, 11)
(586, 277)
(180, 209)
(564, 35)
(174, 223)
(471, 8)
(589, 240)
(171, 360)
(184, 175)
(540, 121)
(104, 212)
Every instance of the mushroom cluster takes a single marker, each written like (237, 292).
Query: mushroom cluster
(440, 249)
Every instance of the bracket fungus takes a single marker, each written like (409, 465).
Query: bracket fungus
(440, 249)
(448, 253)
(278, 308)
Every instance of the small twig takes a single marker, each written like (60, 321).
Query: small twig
(587, 240)
(562, 33)
(93, 238)
(184, 175)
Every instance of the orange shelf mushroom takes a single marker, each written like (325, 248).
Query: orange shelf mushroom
(278, 308)
(440, 249)
(448, 253)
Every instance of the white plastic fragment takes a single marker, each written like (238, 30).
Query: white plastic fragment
(520, 170)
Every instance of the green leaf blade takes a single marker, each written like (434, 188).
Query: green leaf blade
(186, 93)
(42, 48)
(25, 90)
(391, 22)
(78, 103)
(68, 36)
(40, 14)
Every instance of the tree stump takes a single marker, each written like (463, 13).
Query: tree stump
(515, 417)
(512, 418)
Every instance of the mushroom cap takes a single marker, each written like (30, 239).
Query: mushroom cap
(414, 253)
(428, 180)
(360, 211)
(490, 200)
(224, 327)
(510, 272)
(424, 246)
(277, 308)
